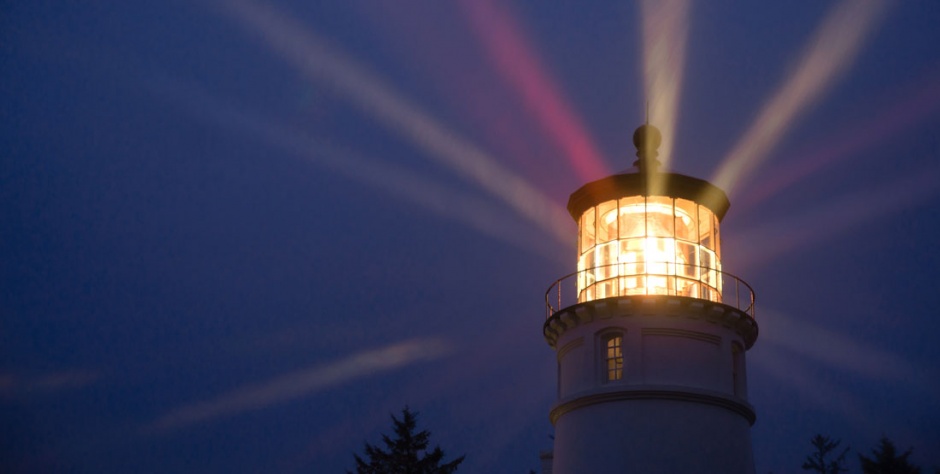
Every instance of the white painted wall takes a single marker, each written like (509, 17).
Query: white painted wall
(675, 410)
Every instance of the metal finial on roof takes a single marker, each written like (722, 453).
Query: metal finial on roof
(647, 138)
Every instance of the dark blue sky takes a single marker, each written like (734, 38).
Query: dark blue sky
(236, 236)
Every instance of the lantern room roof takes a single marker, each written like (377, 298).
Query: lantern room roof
(648, 184)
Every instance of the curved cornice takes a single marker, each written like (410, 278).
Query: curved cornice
(655, 392)
(636, 184)
(653, 305)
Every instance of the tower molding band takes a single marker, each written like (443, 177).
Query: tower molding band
(655, 392)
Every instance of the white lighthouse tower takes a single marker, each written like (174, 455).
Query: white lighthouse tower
(650, 333)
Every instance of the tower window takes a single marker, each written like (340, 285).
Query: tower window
(613, 358)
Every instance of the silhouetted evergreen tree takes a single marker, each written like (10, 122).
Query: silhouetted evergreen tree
(819, 461)
(407, 453)
(885, 460)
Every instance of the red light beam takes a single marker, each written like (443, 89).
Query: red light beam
(519, 65)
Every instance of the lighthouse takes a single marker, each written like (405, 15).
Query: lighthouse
(650, 333)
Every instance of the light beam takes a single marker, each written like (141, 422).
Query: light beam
(665, 29)
(447, 202)
(517, 62)
(833, 349)
(302, 382)
(322, 63)
(838, 215)
(884, 124)
(832, 49)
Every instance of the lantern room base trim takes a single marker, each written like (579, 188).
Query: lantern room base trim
(665, 306)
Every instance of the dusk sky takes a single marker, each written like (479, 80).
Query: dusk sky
(237, 235)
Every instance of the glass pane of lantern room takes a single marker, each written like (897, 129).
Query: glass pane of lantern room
(716, 227)
(632, 220)
(686, 287)
(632, 256)
(659, 217)
(606, 260)
(705, 230)
(587, 230)
(606, 221)
(709, 273)
(687, 260)
(686, 220)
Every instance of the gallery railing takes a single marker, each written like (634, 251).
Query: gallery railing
(676, 279)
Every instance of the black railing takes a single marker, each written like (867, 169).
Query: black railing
(711, 284)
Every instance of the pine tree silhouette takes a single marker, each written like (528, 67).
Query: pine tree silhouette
(407, 453)
(820, 461)
(885, 460)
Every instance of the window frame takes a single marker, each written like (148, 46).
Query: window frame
(611, 373)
